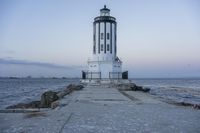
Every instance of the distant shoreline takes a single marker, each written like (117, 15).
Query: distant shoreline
(39, 78)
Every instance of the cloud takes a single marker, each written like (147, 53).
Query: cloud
(22, 68)
(10, 52)
(32, 63)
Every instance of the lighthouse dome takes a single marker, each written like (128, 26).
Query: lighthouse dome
(105, 11)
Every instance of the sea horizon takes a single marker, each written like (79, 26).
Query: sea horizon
(49, 77)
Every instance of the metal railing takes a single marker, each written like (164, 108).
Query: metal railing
(93, 75)
(115, 75)
(104, 18)
(98, 75)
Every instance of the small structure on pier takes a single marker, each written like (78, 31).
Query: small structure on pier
(104, 63)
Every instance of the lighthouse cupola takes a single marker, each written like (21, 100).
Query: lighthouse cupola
(105, 11)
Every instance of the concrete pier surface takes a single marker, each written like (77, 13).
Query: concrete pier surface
(104, 109)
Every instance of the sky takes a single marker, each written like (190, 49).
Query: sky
(155, 39)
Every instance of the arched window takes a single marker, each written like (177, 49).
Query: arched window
(108, 36)
(108, 47)
(101, 47)
(101, 35)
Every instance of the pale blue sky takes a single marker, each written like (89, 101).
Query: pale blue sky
(156, 38)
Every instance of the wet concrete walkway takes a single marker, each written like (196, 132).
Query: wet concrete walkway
(103, 109)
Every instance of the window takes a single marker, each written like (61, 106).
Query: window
(108, 36)
(108, 47)
(101, 47)
(94, 49)
(94, 37)
(101, 35)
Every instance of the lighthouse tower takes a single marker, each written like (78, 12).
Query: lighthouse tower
(104, 63)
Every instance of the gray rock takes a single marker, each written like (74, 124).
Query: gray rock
(140, 88)
(195, 106)
(131, 87)
(75, 87)
(125, 87)
(69, 89)
(33, 104)
(145, 89)
(78, 87)
(47, 98)
(55, 104)
(64, 92)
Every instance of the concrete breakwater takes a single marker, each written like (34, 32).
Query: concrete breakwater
(50, 99)
(105, 108)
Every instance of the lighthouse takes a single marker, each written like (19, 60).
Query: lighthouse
(104, 63)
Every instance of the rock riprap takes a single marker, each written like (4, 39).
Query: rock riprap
(132, 87)
(48, 98)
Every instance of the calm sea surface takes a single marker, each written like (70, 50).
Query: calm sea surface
(14, 91)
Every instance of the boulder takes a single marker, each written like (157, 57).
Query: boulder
(193, 105)
(78, 87)
(64, 92)
(47, 98)
(33, 104)
(146, 89)
(196, 106)
(125, 87)
(70, 88)
(140, 88)
(55, 104)
(136, 88)
(75, 87)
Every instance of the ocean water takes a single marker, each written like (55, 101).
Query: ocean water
(176, 89)
(14, 91)
(20, 90)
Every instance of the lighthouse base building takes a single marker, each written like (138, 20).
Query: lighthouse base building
(104, 63)
(104, 69)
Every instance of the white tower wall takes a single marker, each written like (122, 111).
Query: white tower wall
(104, 45)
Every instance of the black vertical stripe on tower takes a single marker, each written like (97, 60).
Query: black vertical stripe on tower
(111, 37)
(115, 38)
(94, 38)
(104, 37)
(99, 39)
